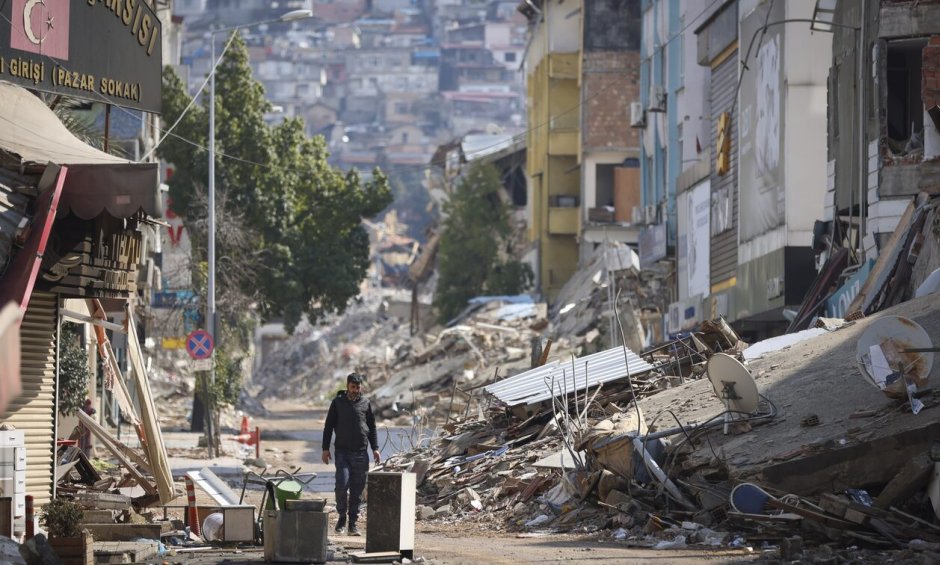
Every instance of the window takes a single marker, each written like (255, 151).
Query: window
(905, 112)
(604, 185)
(509, 57)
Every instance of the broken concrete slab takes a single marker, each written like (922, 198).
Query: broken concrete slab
(103, 500)
(125, 551)
(912, 478)
(124, 532)
(817, 376)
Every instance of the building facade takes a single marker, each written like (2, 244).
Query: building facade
(733, 164)
(580, 65)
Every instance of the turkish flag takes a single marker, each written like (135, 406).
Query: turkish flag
(41, 26)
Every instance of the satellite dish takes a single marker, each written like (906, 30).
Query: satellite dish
(895, 337)
(733, 383)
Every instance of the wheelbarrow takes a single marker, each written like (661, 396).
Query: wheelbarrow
(278, 489)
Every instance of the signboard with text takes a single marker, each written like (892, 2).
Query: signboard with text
(101, 50)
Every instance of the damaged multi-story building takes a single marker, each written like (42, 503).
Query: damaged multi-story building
(886, 68)
(581, 64)
(732, 109)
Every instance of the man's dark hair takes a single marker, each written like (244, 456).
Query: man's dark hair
(354, 378)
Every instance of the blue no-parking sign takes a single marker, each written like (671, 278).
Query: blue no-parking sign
(199, 344)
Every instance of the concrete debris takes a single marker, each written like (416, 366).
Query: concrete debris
(641, 455)
(905, 268)
(680, 494)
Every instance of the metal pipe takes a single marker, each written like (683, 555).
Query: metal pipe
(210, 301)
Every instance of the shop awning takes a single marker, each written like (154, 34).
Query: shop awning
(97, 182)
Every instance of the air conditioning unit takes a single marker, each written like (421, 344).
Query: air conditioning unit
(657, 100)
(637, 115)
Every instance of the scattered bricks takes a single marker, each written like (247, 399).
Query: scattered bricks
(791, 548)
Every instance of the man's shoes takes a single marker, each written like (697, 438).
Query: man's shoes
(353, 530)
(341, 525)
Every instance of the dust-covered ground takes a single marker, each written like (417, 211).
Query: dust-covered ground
(293, 441)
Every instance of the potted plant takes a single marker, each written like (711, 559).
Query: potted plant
(62, 521)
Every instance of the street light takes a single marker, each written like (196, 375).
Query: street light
(211, 317)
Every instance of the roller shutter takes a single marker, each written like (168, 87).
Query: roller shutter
(724, 245)
(34, 410)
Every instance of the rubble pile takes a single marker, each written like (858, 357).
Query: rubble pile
(775, 480)
(907, 266)
(436, 373)
(565, 467)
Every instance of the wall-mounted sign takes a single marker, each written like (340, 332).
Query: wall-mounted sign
(698, 242)
(721, 211)
(100, 50)
(838, 304)
(761, 206)
(652, 245)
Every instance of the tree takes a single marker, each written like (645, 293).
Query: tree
(309, 250)
(73, 370)
(475, 234)
(289, 233)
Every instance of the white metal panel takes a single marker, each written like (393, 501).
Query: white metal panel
(536, 385)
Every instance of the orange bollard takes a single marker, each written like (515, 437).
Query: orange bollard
(191, 515)
(30, 519)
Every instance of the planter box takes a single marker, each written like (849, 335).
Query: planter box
(74, 551)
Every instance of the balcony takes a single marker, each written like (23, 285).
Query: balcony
(563, 65)
(563, 221)
(563, 134)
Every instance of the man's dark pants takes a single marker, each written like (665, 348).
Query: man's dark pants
(351, 470)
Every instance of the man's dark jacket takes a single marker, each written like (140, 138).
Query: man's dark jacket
(353, 423)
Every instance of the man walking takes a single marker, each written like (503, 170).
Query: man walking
(350, 416)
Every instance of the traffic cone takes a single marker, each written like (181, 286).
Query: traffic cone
(244, 427)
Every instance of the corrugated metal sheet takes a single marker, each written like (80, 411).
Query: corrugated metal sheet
(724, 246)
(34, 410)
(535, 385)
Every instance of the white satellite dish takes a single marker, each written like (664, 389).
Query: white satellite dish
(733, 384)
(884, 351)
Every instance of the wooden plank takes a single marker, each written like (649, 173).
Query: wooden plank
(156, 448)
(887, 259)
(106, 440)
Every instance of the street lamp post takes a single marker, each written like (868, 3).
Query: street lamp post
(211, 313)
